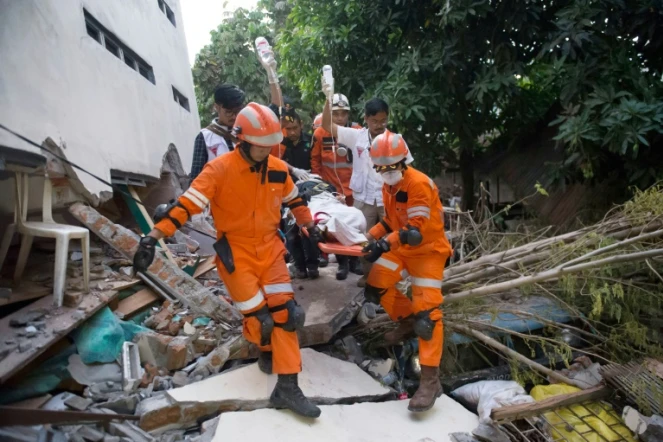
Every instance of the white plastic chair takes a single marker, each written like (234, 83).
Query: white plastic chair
(47, 228)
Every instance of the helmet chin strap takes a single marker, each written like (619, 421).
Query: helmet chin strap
(258, 166)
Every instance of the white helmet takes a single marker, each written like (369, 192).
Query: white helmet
(340, 102)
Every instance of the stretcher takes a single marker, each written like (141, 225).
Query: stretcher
(337, 248)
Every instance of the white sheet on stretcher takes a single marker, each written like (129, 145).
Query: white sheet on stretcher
(346, 224)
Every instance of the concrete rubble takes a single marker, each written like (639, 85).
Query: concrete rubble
(187, 372)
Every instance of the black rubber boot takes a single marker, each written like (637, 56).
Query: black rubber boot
(301, 274)
(355, 266)
(287, 394)
(343, 268)
(313, 272)
(265, 362)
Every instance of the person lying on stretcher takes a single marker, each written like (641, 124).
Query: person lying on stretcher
(343, 226)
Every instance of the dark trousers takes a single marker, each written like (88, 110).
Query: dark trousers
(303, 251)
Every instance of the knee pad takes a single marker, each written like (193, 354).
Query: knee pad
(266, 324)
(424, 325)
(373, 294)
(296, 316)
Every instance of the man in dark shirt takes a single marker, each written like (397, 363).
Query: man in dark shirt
(298, 155)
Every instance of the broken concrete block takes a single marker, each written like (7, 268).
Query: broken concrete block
(189, 329)
(212, 363)
(176, 354)
(91, 434)
(172, 279)
(152, 348)
(180, 379)
(56, 403)
(109, 438)
(182, 238)
(77, 403)
(130, 431)
(178, 249)
(385, 422)
(72, 299)
(121, 403)
(27, 317)
(92, 374)
(131, 369)
(379, 368)
(324, 379)
(24, 346)
(30, 331)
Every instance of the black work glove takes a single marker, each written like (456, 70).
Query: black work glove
(375, 249)
(145, 254)
(315, 235)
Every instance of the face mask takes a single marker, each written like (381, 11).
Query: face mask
(392, 177)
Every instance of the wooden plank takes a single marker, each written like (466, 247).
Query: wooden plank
(148, 219)
(32, 403)
(205, 267)
(26, 292)
(123, 285)
(61, 321)
(514, 412)
(139, 300)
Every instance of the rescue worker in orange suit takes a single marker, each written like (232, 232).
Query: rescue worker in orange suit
(410, 239)
(336, 169)
(245, 190)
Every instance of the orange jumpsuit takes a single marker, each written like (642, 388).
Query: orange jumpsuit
(333, 168)
(415, 202)
(246, 206)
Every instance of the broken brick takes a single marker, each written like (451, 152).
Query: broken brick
(72, 299)
(176, 356)
(175, 281)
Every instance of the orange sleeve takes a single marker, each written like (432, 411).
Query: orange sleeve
(194, 200)
(295, 203)
(419, 204)
(316, 152)
(379, 230)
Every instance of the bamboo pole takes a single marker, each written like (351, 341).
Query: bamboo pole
(514, 354)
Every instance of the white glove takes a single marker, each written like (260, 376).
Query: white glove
(300, 174)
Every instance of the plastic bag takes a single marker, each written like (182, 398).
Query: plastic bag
(487, 395)
(100, 338)
(570, 422)
(346, 224)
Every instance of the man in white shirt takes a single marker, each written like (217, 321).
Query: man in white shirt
(217, 139)
(366, 183)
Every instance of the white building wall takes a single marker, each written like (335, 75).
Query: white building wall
(58, 82)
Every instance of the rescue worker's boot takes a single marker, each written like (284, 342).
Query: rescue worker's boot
(429, 389)
(287, 394)
(404, 331)
(301, 273)
(355, 266)
(343, 268)
(265, 362)
(313, 272)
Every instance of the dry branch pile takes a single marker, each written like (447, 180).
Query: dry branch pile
(607, 276)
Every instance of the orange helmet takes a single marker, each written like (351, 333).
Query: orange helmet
(257, 124)
(317, 121)
(388, 148)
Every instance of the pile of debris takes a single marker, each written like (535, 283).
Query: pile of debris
(159, 356)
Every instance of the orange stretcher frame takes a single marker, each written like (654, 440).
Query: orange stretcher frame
(337, 248)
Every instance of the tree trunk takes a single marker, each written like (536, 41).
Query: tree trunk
(467, 171)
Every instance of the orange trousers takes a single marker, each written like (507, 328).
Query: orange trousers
(426, 274)
(261, 277)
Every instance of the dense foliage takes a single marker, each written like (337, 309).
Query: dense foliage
(465, 75)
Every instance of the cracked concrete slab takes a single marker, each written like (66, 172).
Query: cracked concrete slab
(329, 304)
(324, 379)
(384, 422)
